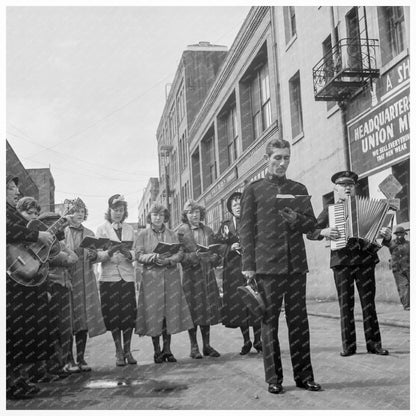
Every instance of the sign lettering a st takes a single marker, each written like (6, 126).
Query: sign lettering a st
(382, 136)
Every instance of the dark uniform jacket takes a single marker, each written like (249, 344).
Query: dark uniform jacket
(270, 244)
(347, 256)
(400, 255)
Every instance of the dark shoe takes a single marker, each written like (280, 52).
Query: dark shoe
(407, 308)
(210, 352)
(275, 388)
(21, 390)
(195, 353)
(378, 351)
(158, 358)
(347, 353)
(258, 346)
(168, 357)
(120, 360)
(83, 366)
(61, 373)
(246, 348)
(129, 358)
(48, 378)
(308, 385)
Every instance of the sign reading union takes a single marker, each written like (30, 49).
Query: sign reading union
(382, 136)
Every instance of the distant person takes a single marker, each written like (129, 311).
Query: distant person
(400, 264)
(86, 307)
(162, 309)
(352, 264)
(274, 252)
(199, 281)
(27, 341)
(117, 278)
(234, 311)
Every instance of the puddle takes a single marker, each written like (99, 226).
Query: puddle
(146, 385)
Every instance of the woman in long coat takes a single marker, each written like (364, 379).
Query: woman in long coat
(86, 307)
(117, 278)
(162, 308)
(199, 282)
(234, 312)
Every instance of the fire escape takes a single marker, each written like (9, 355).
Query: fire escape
(349, 66)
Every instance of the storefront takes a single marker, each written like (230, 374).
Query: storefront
(379, 137)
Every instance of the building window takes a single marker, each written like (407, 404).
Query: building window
(392, 32)
(290, 22)
(295, 106)
(260, 101)
(232, 136)
(172, 123)
(181, 104)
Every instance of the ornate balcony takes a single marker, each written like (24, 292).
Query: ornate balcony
(349, 66)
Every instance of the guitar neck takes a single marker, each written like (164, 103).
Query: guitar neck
(54, 228)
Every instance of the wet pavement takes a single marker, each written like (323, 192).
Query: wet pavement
(232, 381)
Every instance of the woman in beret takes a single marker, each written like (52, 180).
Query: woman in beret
(199, 282)
(117, 278)
(86, 307)
(234, 312)
(162, 308)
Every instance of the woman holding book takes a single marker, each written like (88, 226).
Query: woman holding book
(161, 307)
(86, 307)
(199, 282)
(234, 312)
(117, 278)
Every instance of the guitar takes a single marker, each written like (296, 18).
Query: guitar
(27, 263)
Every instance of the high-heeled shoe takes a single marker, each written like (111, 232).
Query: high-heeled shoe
(210, 352)
(246, 348)
(195, 353)
(258, 346)
(129, 358)
(158, 358)
(169, 358)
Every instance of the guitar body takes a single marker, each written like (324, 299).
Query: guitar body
(27, 262)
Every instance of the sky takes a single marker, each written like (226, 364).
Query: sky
(86, 89)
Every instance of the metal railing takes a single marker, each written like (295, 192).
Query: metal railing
(350, 60)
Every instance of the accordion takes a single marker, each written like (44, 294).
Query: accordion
(359, 220)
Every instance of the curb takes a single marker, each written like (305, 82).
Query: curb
(387, 322)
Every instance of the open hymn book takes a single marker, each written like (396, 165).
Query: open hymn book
(299, 203)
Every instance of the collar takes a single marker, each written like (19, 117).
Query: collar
(161, 231)
(117, 225)
(194, 227)
(280, 180)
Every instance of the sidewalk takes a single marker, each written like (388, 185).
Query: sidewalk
(388, 313)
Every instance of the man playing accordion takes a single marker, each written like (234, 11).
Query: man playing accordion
(353, 263)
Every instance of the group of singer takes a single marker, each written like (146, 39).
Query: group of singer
(261, 243)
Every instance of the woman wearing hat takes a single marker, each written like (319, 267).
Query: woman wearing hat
(199, 283)
(162, 308)
(117, 279)
(234, 312)
(27, 306)
(86, 306)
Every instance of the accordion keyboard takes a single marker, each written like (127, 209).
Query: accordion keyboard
(336, 215)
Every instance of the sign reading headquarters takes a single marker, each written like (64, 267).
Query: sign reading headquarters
(380, 137)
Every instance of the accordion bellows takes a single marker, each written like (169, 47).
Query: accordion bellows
(357, 218)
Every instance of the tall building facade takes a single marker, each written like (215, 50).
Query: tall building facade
(46, 185)
(150, 195)
(333, 81)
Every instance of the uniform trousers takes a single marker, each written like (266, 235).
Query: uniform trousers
(364, 278)
(292, 289)
(403, 286)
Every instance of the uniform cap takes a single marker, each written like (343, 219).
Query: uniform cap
(400, 229)
(345, 176)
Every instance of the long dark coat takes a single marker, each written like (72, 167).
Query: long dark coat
(86, 304)
(27, 324)
(234, 311)
(199, 282)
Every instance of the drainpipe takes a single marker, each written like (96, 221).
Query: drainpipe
(341, 104)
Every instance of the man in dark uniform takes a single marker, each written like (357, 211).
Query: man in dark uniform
(274, 251)
(350, 264)
(400, 265)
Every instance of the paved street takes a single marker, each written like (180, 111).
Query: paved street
(232, 381)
